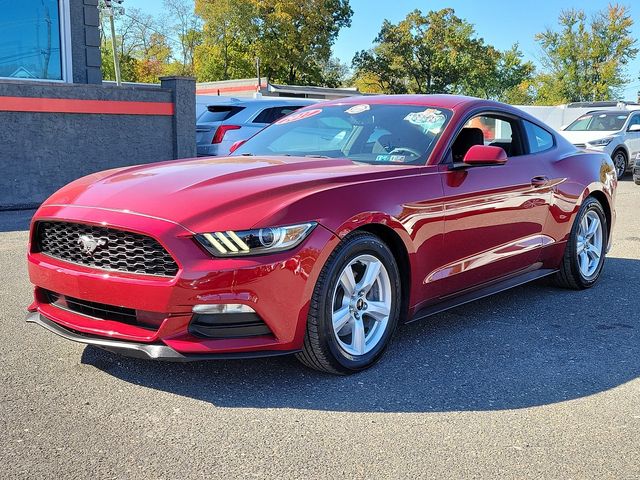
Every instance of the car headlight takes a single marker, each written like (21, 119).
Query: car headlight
(602, 142)
(258, 241)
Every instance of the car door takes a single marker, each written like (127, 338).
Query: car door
(494, 215)
(632, 139)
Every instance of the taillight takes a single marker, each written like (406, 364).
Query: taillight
(220, 132)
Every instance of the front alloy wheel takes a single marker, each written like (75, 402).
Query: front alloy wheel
(620, 162)
(355, 307)
(361, 305)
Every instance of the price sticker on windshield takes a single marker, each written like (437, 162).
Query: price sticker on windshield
(358, 109)
(294, 117)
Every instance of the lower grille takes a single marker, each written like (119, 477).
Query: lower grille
(104, 248)
(101, 311)
(228, 325)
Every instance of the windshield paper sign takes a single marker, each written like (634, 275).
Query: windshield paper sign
(431, 120)
(294, 117)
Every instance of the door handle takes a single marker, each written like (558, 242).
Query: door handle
(541, 181)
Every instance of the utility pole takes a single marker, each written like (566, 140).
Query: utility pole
(116, 62)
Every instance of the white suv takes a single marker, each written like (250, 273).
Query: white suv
(615, 132)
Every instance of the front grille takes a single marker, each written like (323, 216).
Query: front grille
(102, 311)
(580, 145)
(111, 249)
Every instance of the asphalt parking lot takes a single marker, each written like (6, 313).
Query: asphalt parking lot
(533, 383)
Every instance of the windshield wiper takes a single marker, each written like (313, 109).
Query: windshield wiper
(248, 154)
(317, 156)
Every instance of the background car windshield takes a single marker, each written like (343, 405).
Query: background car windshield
(375, 134)
(599, 122)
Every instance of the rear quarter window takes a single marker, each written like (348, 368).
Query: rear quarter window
(270, 115)
(219, 113)
(539, 139)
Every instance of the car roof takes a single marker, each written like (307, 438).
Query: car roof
(264, 101)
(440, 100)
(615, 112)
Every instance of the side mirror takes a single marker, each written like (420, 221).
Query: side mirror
(485, 155)
(236, 145)
(634, 128)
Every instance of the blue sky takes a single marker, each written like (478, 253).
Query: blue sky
(500, 22)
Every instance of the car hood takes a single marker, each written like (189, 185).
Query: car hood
(585, 136)
(216, 193)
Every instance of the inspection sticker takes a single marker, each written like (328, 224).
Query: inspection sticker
(294, 117)
(391, 158)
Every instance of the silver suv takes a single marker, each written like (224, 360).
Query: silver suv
(615, 132)
(226, 122)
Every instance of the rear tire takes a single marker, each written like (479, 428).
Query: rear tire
(620, 161)
(355, 307)
(585, 251)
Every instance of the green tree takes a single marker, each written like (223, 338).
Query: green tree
(128, 64)
(228, 35)
(437, 53)
(186, 30)
(144, 52)
(292, 38)
(154, 59)
(334, 73)
(295, 37)
(585, 59)
(514, 77)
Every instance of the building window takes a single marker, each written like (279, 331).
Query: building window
(31, 43)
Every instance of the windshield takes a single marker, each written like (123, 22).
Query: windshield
(599, 122)
(375, 134)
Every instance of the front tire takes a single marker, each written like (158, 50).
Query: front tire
(354, 308)
(585, 251)
(620, 162)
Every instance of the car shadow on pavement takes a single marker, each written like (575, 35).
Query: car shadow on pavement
(533, 345)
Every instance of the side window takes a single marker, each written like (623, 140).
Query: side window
(270, 115)
(539, 139)
(635, 120)
(488, 129)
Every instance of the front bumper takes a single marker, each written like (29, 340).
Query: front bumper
(258, 282)
(142, 350)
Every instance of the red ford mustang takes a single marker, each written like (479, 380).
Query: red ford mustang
(321, 233)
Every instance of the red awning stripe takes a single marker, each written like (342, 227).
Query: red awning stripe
(72, 105)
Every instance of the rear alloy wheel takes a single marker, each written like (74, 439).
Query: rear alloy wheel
(589, 245)
(355, 307)
(620, 162)
(585, 251)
